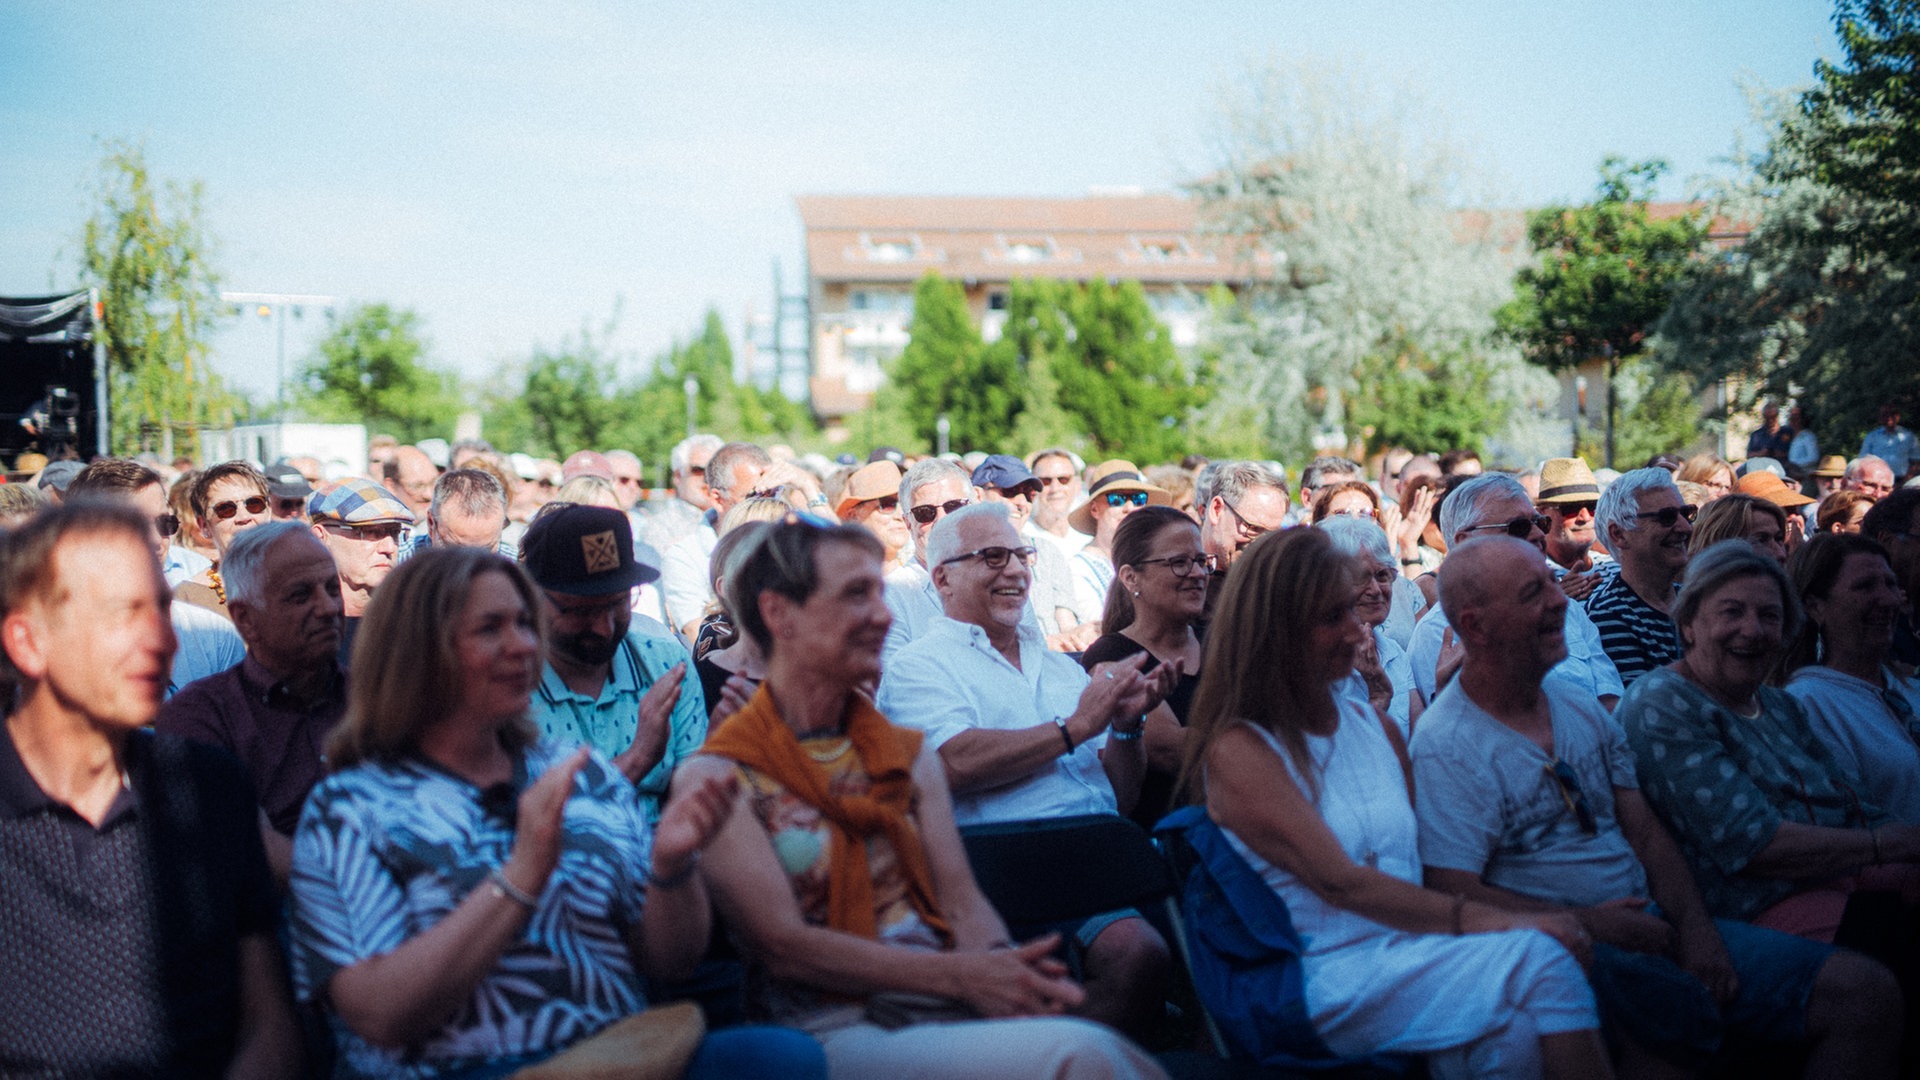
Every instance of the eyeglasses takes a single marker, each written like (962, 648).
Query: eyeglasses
(1049, 481)
(1573, 510)
(888, 503)
(1183, 565)
(1519, 528)
(1247, 527)
(1122, 498)
(927, 515)
(995, 557)
(1353, 512)
(166, 524)
(375, 531)
(1384, 575)
(1576, 799)
(255, 504)
(696, 470)
(1668, 516)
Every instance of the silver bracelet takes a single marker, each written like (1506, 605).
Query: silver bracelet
(508, 890)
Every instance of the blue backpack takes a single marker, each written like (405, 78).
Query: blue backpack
(1245, 954)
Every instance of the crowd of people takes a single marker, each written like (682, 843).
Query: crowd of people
(473, 765)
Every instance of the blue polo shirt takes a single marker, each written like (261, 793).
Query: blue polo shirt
(607, 723)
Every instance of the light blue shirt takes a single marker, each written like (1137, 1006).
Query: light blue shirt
(182, 564)
(209, 644)
(951, 680)
(1586, 667)
(1896, 450)
(607, 723)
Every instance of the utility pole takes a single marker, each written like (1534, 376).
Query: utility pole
(276, 305)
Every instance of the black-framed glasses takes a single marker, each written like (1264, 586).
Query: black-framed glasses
(1253, 531)
(995, 557)
(928, 514)
(166, 524)
(1668, 516)
(1519, 528)
(1122, 498)
(1183, 565)
(255, 504)
(1573, 509)
(1576, 799)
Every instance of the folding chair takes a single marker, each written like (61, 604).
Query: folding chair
(1062, 869)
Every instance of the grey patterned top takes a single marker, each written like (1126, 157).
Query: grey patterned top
(1724, 784)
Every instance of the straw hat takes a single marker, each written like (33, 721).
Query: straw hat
(874, 480)
(1830, 466)
(1765, 485)
(1567, 480)
(1113, 478)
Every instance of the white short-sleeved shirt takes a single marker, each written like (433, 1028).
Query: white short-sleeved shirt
(951, 680)
(1586, 667)
(1488, 804)
(1871, 745)
(915, 605)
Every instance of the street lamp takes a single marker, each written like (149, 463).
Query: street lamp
(692, 387)
(940, 429)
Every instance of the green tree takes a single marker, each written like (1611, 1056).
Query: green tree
(1413, 399)
(946, 370)
(1343, 213)
(1605, 274)
(371, 369)
(147, 251)
(571, 396)
(1822, 301)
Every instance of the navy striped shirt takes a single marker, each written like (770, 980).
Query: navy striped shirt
(1636, 637)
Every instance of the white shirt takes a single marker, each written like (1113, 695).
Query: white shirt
(209, 645)
(1069, 544)
(1399, 672)
(684, 579)
(952, 680)
(915, 604)
(1869, 744)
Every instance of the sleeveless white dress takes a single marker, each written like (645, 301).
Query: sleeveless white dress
(1478, 1003)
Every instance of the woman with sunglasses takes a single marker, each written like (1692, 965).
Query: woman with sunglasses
(1118, 489)
(1159, 592)
(227, 499)
(1865, 712)
(469, 899)
(1773, 830)
(1312, 789)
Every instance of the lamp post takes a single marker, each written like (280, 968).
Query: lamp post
(940, 429)
(692, 388)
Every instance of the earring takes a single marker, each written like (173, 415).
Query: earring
(1136, 592)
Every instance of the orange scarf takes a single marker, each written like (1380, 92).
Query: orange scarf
(757, 738)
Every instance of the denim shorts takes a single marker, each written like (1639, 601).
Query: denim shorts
(1652, 1000)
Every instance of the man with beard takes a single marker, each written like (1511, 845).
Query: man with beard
(609, 685)
(274, 709)
(1648, 527)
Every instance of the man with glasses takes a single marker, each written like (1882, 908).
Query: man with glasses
(227, 498)
(1568, 495)
(1239, 501)
(1487, 505)
(1058, 471)
(289, 490)
(606, 683)
(1648, 526)
(1528, 800)
(1870, 476)
(1323, 472)
(360, 523)
(469, 509)
(1024, 733)
(1003, 478)
(929, 490)
(665, 522)
(208, 642)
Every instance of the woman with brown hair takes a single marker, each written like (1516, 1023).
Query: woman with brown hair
(457, 910)
(1159, 592)
(1311, 789)
(1709, 471)
(1741, 517)
(1352, 498)
(1842, 512)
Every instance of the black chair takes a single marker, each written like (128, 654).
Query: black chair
(1061, 869)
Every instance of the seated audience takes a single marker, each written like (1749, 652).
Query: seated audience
(275, 709)
(1528, 801)
(1002, 478)
(1647, 527)
(1870, 476)
(469, 509)
(1894, 524)
(1159, 592)
(469, 898)
(1324, 472)
(139, 935)
(732, 475)
(1382, 675)
(840, 869)
(1024, 733)
(1058, 471)
(930, 490)
(1311, 788)
(871, 500)
(1345, 498)
(731, 667)
(1569, 496)
(1866, 714)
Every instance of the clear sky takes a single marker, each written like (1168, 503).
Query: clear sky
(514, 170)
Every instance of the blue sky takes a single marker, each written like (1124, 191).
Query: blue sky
(511, 171)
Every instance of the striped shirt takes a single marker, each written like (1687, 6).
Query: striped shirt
(1636, 637)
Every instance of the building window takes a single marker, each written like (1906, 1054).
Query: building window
(996, 301)
(1030, 250)
(891, 249)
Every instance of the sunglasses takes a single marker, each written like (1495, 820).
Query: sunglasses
(1669, 516)
(1049, 481)
(1519, 528)
(888, 503)
(166, 524)
(1576, 799)
(927, 515)
(1122, 498)
(1184, 565)
(995, 557)
(1574, 510)
(255, 504)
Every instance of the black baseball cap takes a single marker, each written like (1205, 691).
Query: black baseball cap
(583, 551)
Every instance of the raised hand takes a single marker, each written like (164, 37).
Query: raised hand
(734, 695)
(691, 819)
(650, 733)
(537, 836)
